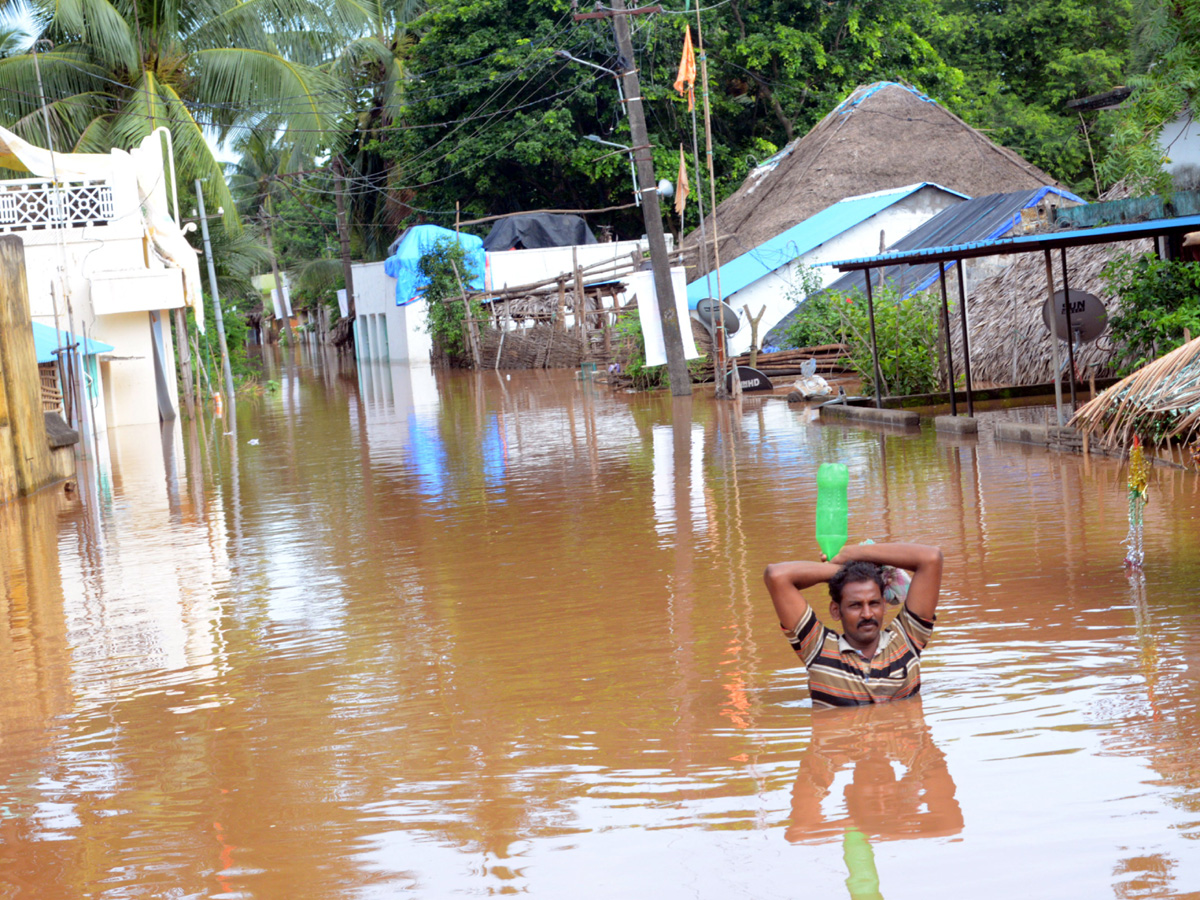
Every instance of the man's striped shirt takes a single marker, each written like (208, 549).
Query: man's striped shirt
(838, 675)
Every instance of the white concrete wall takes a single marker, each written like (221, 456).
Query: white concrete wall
(385, 332)
(111, 284)
(510, 268)
(777, 291)
(129, 387)
(1180, 140)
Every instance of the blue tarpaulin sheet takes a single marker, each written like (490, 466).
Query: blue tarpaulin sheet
(45, 342)
(419, 240)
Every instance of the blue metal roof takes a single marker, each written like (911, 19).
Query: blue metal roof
(46, 341)
(982, 219)
(780, 250)
(1025, 243)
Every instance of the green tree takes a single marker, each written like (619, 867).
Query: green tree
(505, 131)
(443, 296)
(1023, 60)
(1165, 82)
(1160, 306)
(118, 71)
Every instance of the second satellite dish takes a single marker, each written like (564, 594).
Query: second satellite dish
(1089, 318)
(706, 310)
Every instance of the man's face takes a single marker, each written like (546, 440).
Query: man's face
(861, 613)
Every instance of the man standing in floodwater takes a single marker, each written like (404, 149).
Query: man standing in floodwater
(867, 663)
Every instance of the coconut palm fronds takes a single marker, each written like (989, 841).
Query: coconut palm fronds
(1158, 402)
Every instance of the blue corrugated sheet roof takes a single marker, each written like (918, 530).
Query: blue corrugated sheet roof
(46, 341)
(982, 219)
(814, 231)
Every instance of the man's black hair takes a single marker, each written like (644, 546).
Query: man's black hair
(852, 572)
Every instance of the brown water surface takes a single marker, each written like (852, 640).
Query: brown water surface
(419, 634)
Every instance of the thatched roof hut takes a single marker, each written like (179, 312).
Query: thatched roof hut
(1010, 343)
(1159, 401)
(884, 135)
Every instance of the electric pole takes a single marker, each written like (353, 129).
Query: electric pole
(344, 236)
(647, 186)
(216, 299)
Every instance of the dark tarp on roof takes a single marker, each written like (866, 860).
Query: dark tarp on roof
(533, 231)
(981, 219)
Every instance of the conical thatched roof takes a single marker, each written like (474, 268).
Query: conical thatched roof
(884, 135)
(1010, 343)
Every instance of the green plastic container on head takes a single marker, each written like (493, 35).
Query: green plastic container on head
(833, 523)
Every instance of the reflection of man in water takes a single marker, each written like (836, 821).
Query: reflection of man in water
(867, 663)
(899, 788)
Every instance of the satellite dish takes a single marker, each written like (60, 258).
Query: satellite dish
(1089, 318)
(706, 310)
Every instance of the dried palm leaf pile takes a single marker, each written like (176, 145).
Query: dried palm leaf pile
(1159, 402)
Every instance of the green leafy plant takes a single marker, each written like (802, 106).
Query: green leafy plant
(443, 296)
(629, 334)
(1160, 301)
(906, 330)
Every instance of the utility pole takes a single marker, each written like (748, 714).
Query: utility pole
(216, 298)
(344, 235)
(647, 187)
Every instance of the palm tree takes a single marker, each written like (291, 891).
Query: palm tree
(114, 70)
(255, 180)
(372, 68)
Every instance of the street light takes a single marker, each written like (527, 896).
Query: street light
(637, 195)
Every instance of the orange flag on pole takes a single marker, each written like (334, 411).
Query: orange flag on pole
(685, 81)
(681, 188)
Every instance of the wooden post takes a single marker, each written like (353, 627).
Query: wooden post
(580, 307)
(754, 320)
(560, 320)
(185, 359)
(607, 324)
(468, 321)
(25, 463)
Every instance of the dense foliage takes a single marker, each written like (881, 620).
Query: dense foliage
(1160, 306)
(1166, 81)
(495, 121)
(906, 334)
(447, 269)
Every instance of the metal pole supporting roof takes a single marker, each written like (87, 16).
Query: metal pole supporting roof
(962, 309)
(874, 346)
(949, 342)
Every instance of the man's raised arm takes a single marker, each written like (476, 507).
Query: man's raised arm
(786, 580)
(924, 561)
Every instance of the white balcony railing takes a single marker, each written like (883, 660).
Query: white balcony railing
(35, 205)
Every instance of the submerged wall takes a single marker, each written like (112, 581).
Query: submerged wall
(26, 464)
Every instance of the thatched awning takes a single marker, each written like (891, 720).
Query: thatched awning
(1158, 402)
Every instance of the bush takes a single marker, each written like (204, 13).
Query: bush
(1159, 300)
(443, 296)
(906, 333)
(209, 345)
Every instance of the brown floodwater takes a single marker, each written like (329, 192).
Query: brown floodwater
(414, 634)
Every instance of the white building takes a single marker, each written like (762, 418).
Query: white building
(103, 252)
(385, 331)
(769, 276)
